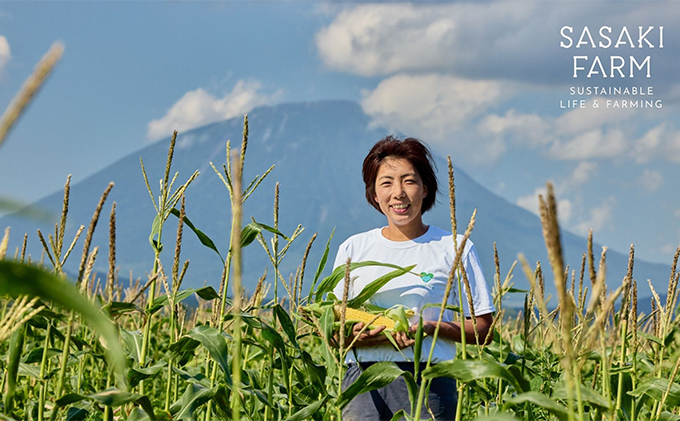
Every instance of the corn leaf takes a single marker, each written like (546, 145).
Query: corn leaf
(499, 416)
(655, 389)
(214, 342)
(307, 412)
(667, 416)
(587, 395)
(117, 308)
(206, 293)
(541, 401)
(35, 355)
(273, 337)
(133, 343)
(29, 371)
(316, 373)
(329, 282)
(20, 279)
(374, 377)
(286, 324)
(110, 397)
(374, 286)
(193, 398)
(401, 415)
(198, 377)
(155, 232)
(327, 325)
(469, 370)
(249, 232)
(321, 266)
(204, 239)
(136, 375)
(78, 414)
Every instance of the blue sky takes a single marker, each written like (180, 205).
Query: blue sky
(481, 82)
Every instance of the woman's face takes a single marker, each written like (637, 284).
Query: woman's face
(399, 191)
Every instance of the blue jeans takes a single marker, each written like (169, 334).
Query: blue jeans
(381, 404)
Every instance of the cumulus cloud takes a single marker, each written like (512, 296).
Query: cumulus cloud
(503, 40)
(529, 130)
(587, 134)
(448, 68)
(598, 143)
(530, 203)
(565, 190)
(436, 107)
(4, 52)
(389, 38)
(197, 108)
(581, 174)
(650, 180)
(383, 39)
(581, 120)
(598, 218)
(659, 142)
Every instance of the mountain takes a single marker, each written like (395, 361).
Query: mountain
(317, 149)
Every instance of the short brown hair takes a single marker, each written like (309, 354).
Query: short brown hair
(410, 149)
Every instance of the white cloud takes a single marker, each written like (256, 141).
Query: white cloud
(582, 173)
(672, 147)
(529, 130)
(598, 218)
(567, 191)
(576, 135)
(448, 66)
(645, 148)
(660, 142)
(437, 108)
(597, 143)
(586, 134)
(388, 38)
(384, 39)
(650, 180)
(668, 249)
(580, 120)
(501, 40)
(4, 52)
(530, 203)
(197, 108)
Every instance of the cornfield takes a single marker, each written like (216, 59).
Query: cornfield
(96, 347)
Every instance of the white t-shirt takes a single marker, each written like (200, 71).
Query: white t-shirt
(433, 254)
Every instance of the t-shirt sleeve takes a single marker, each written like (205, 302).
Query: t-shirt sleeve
(481, 299)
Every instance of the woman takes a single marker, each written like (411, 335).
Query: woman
(401, 184)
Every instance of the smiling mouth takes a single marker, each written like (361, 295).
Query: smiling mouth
(400, 208)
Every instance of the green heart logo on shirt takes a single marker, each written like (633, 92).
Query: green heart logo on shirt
(426, 277)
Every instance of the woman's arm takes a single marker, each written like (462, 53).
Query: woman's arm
(451, 330)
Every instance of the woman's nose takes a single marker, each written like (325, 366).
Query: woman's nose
(399, 190)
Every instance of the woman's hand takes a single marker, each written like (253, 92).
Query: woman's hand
(373, 337)
(369, 337)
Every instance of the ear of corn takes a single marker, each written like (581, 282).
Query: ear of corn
(353, 315)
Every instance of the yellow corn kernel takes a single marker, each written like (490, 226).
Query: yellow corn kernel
(354, 315)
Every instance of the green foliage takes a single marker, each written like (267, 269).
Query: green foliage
(143, 355)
